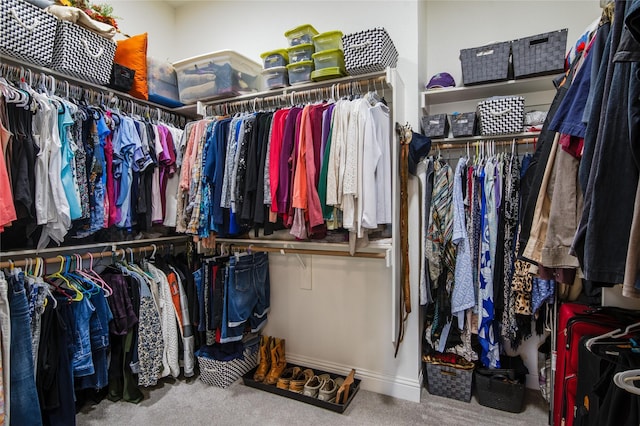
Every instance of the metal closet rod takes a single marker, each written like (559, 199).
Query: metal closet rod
(14, 67)
(296, 94)
(96, 255)
(181, 239)
(282, 250)
(462, 144)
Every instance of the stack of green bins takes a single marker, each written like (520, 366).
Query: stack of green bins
(328, 57)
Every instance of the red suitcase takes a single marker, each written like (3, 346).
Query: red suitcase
(574, 321)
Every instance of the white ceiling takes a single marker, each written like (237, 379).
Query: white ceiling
(177, 3)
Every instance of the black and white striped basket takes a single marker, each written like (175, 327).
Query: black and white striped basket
(83, 54)
(222, 373)
(369, 51)
(501, 115)
(27, 32)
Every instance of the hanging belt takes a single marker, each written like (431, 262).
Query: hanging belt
(404, 133)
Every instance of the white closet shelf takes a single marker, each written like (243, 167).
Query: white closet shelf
(188, 111)
(504, 88)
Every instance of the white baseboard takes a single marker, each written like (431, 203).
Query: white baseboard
(397, 387)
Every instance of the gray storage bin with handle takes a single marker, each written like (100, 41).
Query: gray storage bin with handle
(28, 32)
(83, 54)
(540, 54)
(435, 126)
(486, 64)
(463, 124)
(369, 51)
(501, 115)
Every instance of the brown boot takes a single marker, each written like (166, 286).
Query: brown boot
(265, 358)
(278, 361)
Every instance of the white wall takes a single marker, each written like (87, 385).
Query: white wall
(345, 319)
(157, 18)
(251, 27)
(458, 24)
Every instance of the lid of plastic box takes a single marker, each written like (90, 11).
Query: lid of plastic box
(300, 64)
(274, 70)
(302, 28)
(281, 52)
(327, 73)
(299, 47)
(330, 52)
(328, 34)
(238, 62)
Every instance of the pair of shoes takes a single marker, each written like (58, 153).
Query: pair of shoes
(313, 385)
(287, 375)
(342, 395)
(297, 383)
(329, 389)
(272, 360)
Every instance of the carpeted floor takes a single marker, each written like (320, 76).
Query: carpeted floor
(194, 403)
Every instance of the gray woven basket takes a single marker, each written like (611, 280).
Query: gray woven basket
(540, 54)
(435, 126)
(449, 382)
(486, 63)
(463, 124)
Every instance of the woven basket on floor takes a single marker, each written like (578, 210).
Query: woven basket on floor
(222, 373)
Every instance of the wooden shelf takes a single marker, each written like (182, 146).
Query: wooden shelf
(482, 91)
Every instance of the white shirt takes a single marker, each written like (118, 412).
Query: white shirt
(59, 213)
(42, 138)
(376, 169)
(336, 167)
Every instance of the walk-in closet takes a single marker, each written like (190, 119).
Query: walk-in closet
(319, 212)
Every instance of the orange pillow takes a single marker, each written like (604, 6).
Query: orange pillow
(132, 53)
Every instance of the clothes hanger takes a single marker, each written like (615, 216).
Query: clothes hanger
(616, 334)
(81, 278)
(624, 380)
(39, 269)
(75, 282)
(108, 291)
(58, 275)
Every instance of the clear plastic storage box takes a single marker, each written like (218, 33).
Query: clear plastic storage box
(275, 58)
(327, 73)
(301, 52)
(300, 72)
(327, 41)
(275, 77)
(333, 58)
(163, 83)
(301, 35)
(219, 74)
